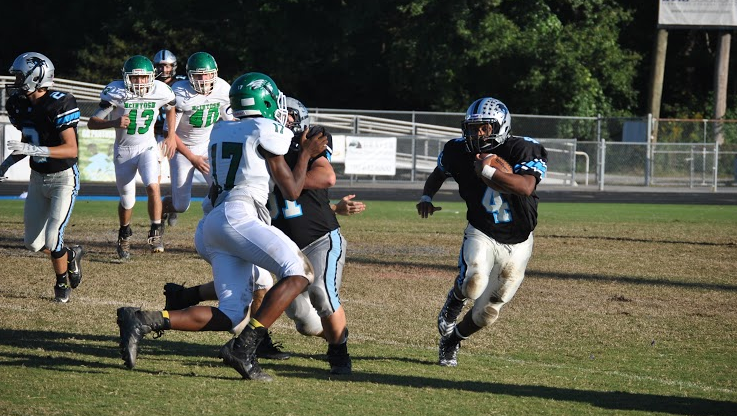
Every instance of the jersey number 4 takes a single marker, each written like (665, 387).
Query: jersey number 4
(496, 206)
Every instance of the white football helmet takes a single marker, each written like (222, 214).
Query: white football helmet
(162, 57)
(487, 125)
(299, 113)
(32, 71)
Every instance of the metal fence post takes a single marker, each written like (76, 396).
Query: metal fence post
(716, 165)
(602, 157)
(599, 161)
(648, 150)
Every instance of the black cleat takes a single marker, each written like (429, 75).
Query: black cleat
(124, 243)
(62, 292)
(244, 359)
(132, 331)
(448, 350)
(170, 218)
(156, 238)
(74, 266)
(270, 350)
(339, 359)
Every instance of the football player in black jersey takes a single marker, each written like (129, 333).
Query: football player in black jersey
(47, 120)
(165, 65)
(497, 242)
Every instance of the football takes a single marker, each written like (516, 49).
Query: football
(496, 162)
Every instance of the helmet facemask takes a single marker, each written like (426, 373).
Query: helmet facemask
(139, 69)
(142, 85)
(202, 81)
(482, 137)
(487, 125)
(300, 117)
(161, 60)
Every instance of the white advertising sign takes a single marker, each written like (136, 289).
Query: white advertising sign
(21, 171)
(371, 155)
(338, 155)
(714, 13)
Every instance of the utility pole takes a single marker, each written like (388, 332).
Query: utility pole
(656, 80)
(721, 76)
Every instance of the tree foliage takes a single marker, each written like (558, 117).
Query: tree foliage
(568, 57)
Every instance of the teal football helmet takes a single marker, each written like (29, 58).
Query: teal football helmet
(202, 70)
(142, 69)
(256, 94)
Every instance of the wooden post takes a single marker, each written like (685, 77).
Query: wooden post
(721, 76)
(657, 73)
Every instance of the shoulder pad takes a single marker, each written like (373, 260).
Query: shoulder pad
(273, 137)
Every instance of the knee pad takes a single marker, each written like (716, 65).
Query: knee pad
(474, 283)
(128, 199)
(262, 279)
(305, 264)
(320, 301)
(304, 316)
(33, 247)
(486, 315)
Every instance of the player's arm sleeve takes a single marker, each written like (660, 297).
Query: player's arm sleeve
(69, 113)
(534, 163)
(104, 109)
(433, 182)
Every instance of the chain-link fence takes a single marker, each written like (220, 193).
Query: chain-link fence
(598, 151)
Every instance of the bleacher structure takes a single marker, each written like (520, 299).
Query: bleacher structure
(418, 144)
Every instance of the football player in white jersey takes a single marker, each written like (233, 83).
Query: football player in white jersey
(133, 105)
(246, 156)
(202, 100)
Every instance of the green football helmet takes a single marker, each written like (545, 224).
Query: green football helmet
(202, 72)
(256, 94)
(140, 67)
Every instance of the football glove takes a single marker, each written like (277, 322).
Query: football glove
(28, 149)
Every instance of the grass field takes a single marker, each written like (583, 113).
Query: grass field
(626, 309)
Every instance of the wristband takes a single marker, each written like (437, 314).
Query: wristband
(425, 198)
(488, 172)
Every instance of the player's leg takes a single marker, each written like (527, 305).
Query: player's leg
(181, 171)
(268, 349)
(61, 189)
(125, 179)
(235, 228)
(476, 261)
(504, 281)
(36, 211)
(327, 256)
(149, 167)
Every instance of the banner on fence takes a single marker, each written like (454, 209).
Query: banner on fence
(370, 155)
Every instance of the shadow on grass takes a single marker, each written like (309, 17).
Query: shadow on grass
(636, 240)
(614, 400)
(44, 349)
(92, 354)
(452, 269)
